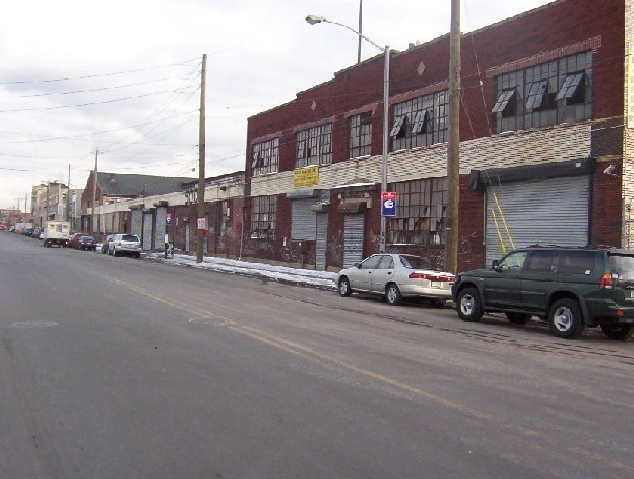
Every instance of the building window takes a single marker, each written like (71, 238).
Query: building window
(263, 209)
(507, 103)
(360, 129)
(544, 95)
(540, 97)
(572, 91)
(420, 122)
(265, 157)
(313, 146)
(224, 222)
(420, 212)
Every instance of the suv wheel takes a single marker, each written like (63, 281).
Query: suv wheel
(468, 305)
(616, 331)
(565, 319)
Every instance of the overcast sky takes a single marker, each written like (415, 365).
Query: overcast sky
(122, 77)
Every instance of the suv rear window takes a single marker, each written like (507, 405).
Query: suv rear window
(622, 264)
(130, 238)
(577, 262)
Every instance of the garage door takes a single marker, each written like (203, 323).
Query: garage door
(352, 239)
(551, 211)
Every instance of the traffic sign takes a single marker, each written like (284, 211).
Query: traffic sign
(388, 203)
(168, 219)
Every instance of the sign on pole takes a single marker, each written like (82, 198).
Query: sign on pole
(388, 203)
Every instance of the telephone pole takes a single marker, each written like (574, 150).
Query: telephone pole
(94, 195)
(201, 226)
(453, 150)
(67, 215)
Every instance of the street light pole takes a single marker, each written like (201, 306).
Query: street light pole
(314, 19)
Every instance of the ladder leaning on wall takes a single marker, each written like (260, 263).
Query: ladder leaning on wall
(507, 234)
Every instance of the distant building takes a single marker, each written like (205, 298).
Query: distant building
(49, 202)
(153, 207)
(112, 188)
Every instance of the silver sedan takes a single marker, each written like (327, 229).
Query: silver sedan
(396, 276)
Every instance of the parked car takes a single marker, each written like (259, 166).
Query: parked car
(106, 244)
(125, 243)
(74, 239)
(36, 232)
(27, 231)
(571, 288)
(396, 276)
(86, 242)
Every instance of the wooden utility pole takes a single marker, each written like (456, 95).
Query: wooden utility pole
(453, 151)
(94, 196)
(201, 167)
(67, 215)
(360, 30)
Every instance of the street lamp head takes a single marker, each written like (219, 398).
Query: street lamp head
(314, 19)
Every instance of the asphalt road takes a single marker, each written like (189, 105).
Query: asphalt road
(121, 368)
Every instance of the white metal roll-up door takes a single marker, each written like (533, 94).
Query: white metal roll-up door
(303, 219)
(551, 211)
(352, 239)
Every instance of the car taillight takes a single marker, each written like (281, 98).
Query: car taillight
(437, 278)
(606, 281)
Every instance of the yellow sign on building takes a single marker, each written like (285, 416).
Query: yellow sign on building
(306, 176)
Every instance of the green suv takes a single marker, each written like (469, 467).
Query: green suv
(571, 288)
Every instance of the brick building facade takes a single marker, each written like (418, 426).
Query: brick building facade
(545, 149)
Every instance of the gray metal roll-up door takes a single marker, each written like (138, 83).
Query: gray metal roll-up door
(551, 211)
(303, 219)
(353, 229)
(147, 232)
(321, 242)
(136, 222)
(159, 235)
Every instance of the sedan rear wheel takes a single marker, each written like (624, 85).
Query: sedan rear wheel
(393, 295)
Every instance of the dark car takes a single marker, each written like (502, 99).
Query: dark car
(86, 243)
(36, 232)
(27, 231)
(571, 288)
(74, 239)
